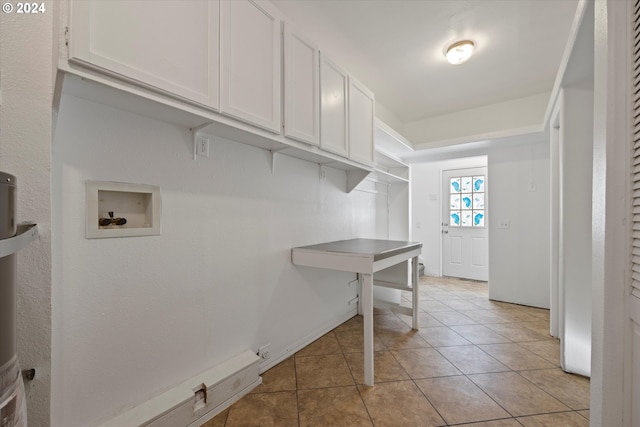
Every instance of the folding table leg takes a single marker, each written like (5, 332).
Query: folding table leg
(415, 300)
(367, 309)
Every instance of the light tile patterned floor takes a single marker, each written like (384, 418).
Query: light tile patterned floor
(474, 362)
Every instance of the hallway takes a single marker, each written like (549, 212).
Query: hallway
(474, 362)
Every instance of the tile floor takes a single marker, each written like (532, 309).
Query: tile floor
(474, 362)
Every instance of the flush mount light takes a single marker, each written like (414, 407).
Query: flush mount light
(460, 52)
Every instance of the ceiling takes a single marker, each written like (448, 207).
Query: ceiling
(395, 47)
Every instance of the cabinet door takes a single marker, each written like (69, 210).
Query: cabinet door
(301, 88)
(250, 84)
(361, 123)
(333, 108)
(172, 46)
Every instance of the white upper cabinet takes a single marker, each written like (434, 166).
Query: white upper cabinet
(301, 88)
(250, 63)
(361, 122)
(171, 46)
(233, 58)
(333, 108)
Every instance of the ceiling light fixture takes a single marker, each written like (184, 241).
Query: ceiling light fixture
(460, 52)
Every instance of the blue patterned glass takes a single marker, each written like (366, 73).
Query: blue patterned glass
(465, 220)
(455, 219)
(465, 184)
(455, 201)
(467, 201)
(478, 218)
(478, 184)
(455, 185)
(478, 201)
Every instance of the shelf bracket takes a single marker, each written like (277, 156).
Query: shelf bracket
(273, 159)
(354, 178)
(322, 173)
(195, 131)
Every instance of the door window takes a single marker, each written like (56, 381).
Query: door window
(467, 201)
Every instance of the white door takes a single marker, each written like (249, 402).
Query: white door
(464, 225)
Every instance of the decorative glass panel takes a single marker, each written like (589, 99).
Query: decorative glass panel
(467, 201)
(478, 201)
(455, 201)
(455, 185)
(455, 219)
(465, 184)
(465, 219)
(478, 218)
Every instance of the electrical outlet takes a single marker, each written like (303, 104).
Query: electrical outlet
(504, 224)
(263, 352)
(202, 145)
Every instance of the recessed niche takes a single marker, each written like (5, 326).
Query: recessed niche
(119, 209)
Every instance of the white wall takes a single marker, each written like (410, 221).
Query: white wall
(426, 207)
(136, 315)
(26, 70)
(519, 255)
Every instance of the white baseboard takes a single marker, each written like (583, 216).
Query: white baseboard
(224, 405)
(302, 343)
(224, 383)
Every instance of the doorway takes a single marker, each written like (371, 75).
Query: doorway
(464, 223)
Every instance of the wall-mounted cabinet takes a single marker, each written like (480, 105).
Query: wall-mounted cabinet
(301, 87)
(347, 114)
(361, 122)
(130, 41)
(225, 67)
(334, 83)
(250, 62)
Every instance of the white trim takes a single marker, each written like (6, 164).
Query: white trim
(506, 133)
(610, 392)
(555, 252)
(564, 63)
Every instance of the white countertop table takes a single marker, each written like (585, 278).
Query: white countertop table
(365, 257)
